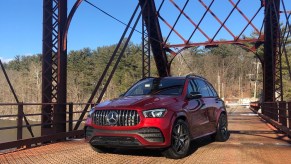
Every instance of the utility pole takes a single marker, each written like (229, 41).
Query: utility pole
(256, 80)
(239, 85)
(218, 82)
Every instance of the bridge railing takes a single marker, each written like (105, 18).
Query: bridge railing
(276, 113)
(20, 124)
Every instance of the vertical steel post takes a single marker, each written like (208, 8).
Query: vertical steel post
(283, 113)
(146, 48)
(54, 66)
(62, 68)
(271, 32)
(47, 46)
(289, 114)
(20, 121)
(274, 111)
(155, 36)
(70, 116)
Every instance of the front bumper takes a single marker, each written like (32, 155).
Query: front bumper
(144, 137)
(149, 133)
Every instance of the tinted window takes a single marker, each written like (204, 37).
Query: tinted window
(191, 87)
(159, 86)
(202, 88)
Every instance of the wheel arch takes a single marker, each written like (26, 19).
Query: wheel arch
(181, 116)
(219, 112)
(175, 118)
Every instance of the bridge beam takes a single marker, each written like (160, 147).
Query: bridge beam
(155, 36)
(271, 52)
(54, 67)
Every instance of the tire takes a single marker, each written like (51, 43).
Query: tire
(101, 149)
(180, 141)
(222, 134)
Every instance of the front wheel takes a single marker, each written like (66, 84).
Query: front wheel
(222, 134)
(180, 141)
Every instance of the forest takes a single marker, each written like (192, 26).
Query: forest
(234, 72)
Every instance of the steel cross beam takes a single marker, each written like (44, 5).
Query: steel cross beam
(237, 40)
(54, 67)
(155, 36)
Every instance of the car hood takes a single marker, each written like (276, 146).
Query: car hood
(137, 102)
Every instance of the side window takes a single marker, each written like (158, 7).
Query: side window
(192, 87)
(203, 88)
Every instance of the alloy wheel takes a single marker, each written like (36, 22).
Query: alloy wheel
(223, 126)
(180, 138)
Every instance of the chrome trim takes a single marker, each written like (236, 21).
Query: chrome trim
(124, 118)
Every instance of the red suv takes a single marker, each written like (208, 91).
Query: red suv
(165, 113)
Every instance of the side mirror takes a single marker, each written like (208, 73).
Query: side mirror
(194, 95)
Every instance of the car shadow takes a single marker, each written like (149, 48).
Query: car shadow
(200, 142)
(139, 152)
(194, 146)
(280, 136)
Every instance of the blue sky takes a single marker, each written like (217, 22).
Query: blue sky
(21, 23)
(21, 26)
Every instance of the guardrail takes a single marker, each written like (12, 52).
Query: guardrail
(276, 113)
(28, 116)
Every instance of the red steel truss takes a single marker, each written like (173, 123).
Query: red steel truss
(54, 66)
(274, 34)
(269, 34)
(155, 42)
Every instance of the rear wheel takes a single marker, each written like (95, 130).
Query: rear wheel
(101, 149)
(180, 141)
(222, 133)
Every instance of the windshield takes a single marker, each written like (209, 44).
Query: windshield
(157, 86)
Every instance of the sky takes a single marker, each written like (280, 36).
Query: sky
(21, 23)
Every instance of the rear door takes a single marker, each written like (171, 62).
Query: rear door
(219, 104)
(196, 110)
(209, 100)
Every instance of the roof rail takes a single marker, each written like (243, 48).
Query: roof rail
(146, 78)
(195, 75)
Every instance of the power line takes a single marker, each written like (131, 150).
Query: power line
(111, 16)
(186, 63)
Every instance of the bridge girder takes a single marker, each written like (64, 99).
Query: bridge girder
(54, 67)
(155, 38)
(272, 85)
(55, 28)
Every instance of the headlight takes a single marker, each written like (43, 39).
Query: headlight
(91, 113)
(155, 113)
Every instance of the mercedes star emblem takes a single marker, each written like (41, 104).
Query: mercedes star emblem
(112, 118)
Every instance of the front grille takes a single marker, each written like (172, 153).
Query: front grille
(123, 118)
(114, 141)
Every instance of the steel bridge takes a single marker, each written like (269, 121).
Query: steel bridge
(58, 117)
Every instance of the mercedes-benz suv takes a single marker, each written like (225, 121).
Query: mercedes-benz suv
(164, 113)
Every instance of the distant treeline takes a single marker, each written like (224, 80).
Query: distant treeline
(231, 70)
